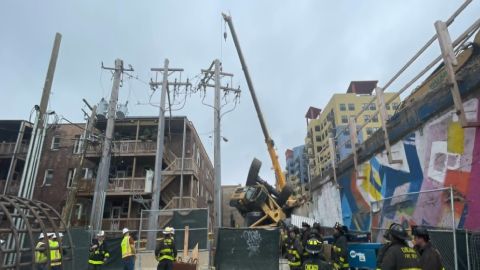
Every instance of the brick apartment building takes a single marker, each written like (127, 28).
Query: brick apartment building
(131, 171)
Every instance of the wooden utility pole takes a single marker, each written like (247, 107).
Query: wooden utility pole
(217, 115)
(72, 192)
(104, 166)
(157, 186)
(32, 160)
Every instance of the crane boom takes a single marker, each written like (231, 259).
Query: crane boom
(280, 177)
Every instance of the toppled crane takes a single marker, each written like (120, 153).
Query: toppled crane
(258, 202)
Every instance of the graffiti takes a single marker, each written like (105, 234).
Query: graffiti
(253, 240)
(438, 155)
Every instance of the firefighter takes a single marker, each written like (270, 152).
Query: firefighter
(128, 250)
(315, 260)
(55, 254)
(399, 255)
(339, 247)
(294, 249)
(305, 232)
(166, 252)
(384, 247)
(98, 252)
(41, 255)
(430, 258)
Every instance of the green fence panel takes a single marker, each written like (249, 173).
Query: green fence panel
(247, 249)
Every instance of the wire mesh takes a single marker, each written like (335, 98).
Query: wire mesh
(197, 221)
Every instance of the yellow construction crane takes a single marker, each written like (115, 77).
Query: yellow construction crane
(258, 201)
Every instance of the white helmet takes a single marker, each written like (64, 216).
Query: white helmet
(41, 236)
(102, 233)
(2, 241)
(60, 235)
(168, 230)
(125, 230)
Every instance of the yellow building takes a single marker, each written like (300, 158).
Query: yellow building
(332, 122)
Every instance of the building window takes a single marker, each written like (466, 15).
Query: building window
(48, 178)
(87, 173)
(369, 131)
(77, 144)
(55, 143)
(387, 106)
(318, 138)
(317, 128)
(344, 119)
(375, 118)
(365, 106)
(351, 107)
(319, 148)
(394, 105)
(348, 145)
(70, 175)
(373, 107)
(343, 107)
(366, 118)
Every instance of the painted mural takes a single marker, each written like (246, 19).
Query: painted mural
(439, 155)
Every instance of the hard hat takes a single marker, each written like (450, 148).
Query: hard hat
(342, 229)
(102, 233)
(397, 231)
(168, 230)
(60, 235)
(125, 230)
(420, 231)
(305, 224)
(53, 235)
(41, 236)
(313, 246)
(2, 241)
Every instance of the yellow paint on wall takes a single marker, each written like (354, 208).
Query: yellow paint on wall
(455, 140)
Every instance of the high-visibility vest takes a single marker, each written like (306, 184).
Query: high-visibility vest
(40, 256)
(296, 260)
(166, 251)
(98, 255)
(126, 248)
(55, 255)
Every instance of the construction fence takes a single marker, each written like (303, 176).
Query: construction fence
(195, 219)
(439, 210)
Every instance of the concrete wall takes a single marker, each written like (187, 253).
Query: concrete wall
(438, 154)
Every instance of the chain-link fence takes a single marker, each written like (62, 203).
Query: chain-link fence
(179, 219)
(440, 211)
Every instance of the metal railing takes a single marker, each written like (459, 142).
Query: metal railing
(116, 185)
(458, 44)
(9, 148)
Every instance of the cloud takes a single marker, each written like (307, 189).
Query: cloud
(299, 53)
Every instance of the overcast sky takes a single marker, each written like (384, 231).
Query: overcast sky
(298, 52)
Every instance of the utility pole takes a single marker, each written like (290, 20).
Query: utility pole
(30, 169)
(153, 218)
(104, 167)
(72, 192)
(217, 136)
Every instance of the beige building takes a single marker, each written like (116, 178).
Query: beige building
(332, 122)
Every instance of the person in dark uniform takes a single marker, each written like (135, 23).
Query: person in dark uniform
(166, 252)
(399, 256)
(305, 232)
(294, 249)
(98, 252)
(315, 260)
(430, 258)
(339, 248)
(383, 248)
